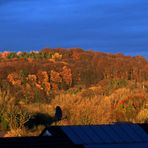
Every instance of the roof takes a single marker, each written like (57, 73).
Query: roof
(89, 136)
(116, 135)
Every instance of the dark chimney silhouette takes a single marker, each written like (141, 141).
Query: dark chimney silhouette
(58, 113)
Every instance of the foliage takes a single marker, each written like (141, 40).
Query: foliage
(11, 115)
(12, 55)
(115, 84)
(128, 108)
(91, 87)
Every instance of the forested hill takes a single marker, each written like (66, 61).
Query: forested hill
(82, 67)
(50, 70)
(91, 87)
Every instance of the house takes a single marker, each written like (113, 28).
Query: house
(89, 136)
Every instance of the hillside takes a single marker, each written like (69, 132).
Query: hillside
(91, 87)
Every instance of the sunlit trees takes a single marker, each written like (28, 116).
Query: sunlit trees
(42, 77)
(43, 81)
(55, 79)
(57, 56)
(67, 76)
(4, 54)
(14, 78)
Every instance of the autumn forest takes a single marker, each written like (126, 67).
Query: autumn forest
(90, 87)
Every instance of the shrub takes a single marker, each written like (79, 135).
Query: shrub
(80, 111)
(12, 55)
(142, 116)
(88, 93)
(16, 117)
(4, 123)
(12, 116)
(115, 84)
(128, 108)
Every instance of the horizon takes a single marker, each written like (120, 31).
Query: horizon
(109, 26)
(29, 51)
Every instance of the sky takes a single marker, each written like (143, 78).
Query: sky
(115, 26)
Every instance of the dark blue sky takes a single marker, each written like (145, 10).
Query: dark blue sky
(103, 25)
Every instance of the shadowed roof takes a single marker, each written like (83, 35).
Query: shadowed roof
(110, 135)
(89, 136)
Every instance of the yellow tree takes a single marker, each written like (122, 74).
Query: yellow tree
(55, 79)
(67, 75)
(14, 78)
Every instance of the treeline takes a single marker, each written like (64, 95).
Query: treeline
(38, 75)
